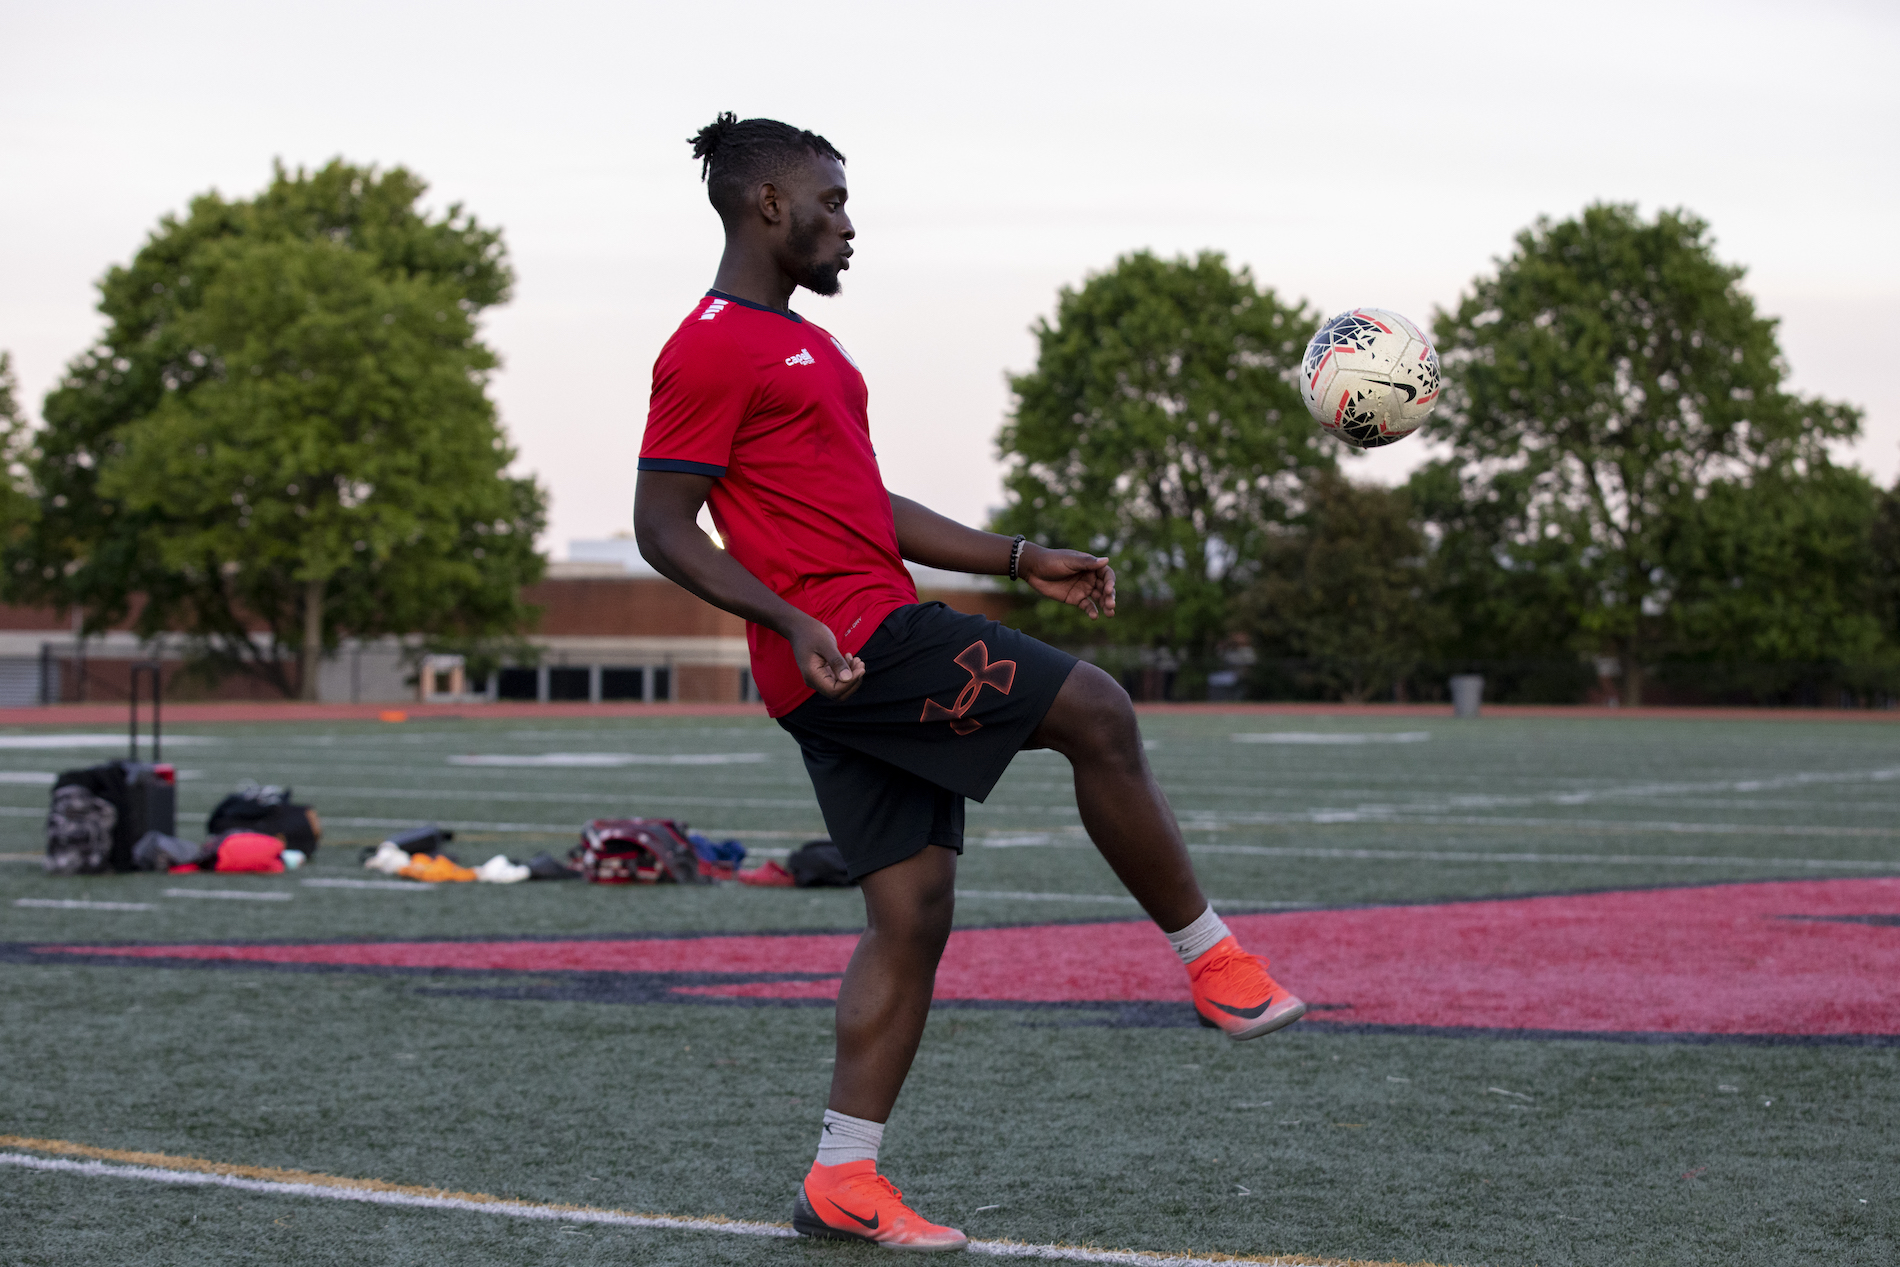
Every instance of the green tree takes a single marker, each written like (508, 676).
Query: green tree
(1345, 590)
(16, 441)
(286, 424)
(1775, 582)
(1510, 605)
(1161, 427)
(1608, 373)
(1886, 568)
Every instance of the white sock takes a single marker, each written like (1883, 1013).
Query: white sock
(848, 1138)
(1199, 937)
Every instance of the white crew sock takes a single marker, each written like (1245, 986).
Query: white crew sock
(848, 1138)
(1199, 937)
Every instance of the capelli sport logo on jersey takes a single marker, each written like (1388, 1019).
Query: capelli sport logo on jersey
(804, 357)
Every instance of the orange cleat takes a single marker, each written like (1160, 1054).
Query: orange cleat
(1233, 992)
(852, 1202)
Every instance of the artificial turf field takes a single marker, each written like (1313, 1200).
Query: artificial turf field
(1590, 990)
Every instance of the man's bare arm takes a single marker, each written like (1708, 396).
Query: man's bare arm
(665, 513)
(1069, 576)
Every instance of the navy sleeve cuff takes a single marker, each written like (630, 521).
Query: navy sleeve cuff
(677, 467)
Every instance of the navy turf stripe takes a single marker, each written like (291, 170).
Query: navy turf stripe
(747, 303)
(677, 467)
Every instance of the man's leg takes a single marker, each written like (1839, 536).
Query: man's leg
(885, 998)
(882, 1007)
(1126, 814)
(1123, 809)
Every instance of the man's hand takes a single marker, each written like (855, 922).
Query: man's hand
(827, 670)
(1070, 576)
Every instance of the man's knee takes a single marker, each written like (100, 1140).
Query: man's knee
(921, 909)
(1096, 718)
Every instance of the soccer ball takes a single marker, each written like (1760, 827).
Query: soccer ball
(1370, 377)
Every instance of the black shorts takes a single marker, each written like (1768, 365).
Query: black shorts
(948, 701)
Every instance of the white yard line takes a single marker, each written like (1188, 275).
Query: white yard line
(1331, 737)
(80, 904)
(239, 895)
(394, 886)
(1216, 820)
(570, 828)
(607, 760)
(612, 798)
(426, 1200)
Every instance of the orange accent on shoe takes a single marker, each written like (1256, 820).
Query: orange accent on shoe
(852, 1202)
(1233, 993)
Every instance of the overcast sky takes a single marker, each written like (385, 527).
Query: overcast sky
(1373, 153)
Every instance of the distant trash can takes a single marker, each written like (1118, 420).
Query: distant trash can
(1467, 693)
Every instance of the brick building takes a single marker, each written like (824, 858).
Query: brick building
(607, 632)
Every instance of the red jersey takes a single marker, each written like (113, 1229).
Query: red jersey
(772, 408)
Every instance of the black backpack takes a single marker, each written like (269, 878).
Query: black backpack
(268, 810)
(79, 832)
(818, 864)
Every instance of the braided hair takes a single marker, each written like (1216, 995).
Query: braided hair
(737, 155)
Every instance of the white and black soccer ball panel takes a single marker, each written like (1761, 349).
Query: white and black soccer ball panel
(1370, 377)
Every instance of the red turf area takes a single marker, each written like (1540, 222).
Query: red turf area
(1791, 957)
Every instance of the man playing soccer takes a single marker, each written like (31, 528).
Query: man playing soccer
(901, 709)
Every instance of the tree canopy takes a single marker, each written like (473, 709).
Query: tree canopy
(16, 502)
(1345, 601)
(1161, 427)
(286, 424)
(1600, 385)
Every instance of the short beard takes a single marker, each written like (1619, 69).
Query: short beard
(819, 279)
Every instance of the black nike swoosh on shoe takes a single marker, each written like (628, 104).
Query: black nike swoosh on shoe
(869, 1225)
(1244, 1013)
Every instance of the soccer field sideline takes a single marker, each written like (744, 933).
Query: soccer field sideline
(275, 1181)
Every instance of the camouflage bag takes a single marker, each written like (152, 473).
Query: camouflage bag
(79, 832)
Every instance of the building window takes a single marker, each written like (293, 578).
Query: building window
(519, 683)
(623, 684)
(663, 683)
(567, 684)
(747, 695)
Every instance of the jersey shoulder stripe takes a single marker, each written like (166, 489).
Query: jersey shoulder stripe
(679, 466)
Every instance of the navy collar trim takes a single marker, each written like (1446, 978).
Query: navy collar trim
(747, 303)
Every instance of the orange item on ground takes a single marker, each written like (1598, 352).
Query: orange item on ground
(433, 869)
(250, 851)
(770, 874)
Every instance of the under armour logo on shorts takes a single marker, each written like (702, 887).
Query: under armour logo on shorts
(974, 660)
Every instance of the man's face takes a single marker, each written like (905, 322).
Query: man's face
(818, 235)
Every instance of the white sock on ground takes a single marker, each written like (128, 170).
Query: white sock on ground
(1199, 937)
(847, 1138)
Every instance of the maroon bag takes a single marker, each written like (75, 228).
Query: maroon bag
(637, 851)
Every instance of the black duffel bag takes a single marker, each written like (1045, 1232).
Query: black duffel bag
(268, 810)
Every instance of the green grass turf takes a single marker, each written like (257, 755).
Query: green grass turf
(1121, 1137)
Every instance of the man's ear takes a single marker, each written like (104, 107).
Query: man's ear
(771, 203)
